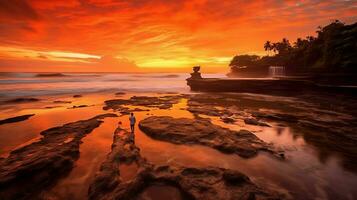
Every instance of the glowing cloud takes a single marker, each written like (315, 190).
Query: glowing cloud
(151, 34)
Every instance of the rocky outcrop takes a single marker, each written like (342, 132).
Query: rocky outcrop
(329, 124)
(202, 131)
(16, 119)
(59, 101)
(120, 93)
(163, 102)
(186, 183)
(79, 106)
(51, 75)
(107, 182)
(39, 165)
(253, 121)
(22, 100)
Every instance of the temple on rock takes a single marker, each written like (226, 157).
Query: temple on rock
(196, 74)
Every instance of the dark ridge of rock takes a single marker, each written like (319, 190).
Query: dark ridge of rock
(37, 166)
(125, 110)
(22, 100)
(59, 101)
(163, 102)
(254, 121)
(228, 120)
(51, 107)
(209, 183)
(16, 119)
(201, 131)
(206, 110)
(51, 75)
(80, 106)
(77, 96)
(108, 178)
(120, 93)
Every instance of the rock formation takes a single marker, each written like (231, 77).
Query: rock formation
(16, 119)
(202, 131)
(187, 183)
(32, 168)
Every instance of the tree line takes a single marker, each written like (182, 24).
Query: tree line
(333, 50)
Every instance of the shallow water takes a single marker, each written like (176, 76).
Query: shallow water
(92, 153)
(303, 175)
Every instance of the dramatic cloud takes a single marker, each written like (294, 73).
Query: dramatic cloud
(154, 33)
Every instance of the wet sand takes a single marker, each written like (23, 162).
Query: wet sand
(304, 174)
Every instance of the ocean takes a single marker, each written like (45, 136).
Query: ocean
(14, 85)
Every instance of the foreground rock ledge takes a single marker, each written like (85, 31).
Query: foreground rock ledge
(162, 102)
(37, 166)
(202, 131)
(209, 183)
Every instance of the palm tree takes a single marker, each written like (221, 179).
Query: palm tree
(268, 47)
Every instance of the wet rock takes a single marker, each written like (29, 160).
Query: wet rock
(228, 120)
(22, 100)
(186, 182)
(254, 121)
(37, 166)
(276, 116)
(107, 180)
(77, 96)
(79, 106)
(125, 110)
(163, 102)
(205, 110)
(16, 119)
(232, 177)
(328, 124)
(202, 131)
(59, 101)
(51, 107)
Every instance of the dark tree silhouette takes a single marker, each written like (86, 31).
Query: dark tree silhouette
(332, 51)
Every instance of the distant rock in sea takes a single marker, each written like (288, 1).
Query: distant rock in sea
(60, 101)
(22, 100)
(51, 75)
(16, 119)
(120, 93)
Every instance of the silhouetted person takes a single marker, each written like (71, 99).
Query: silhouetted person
(132, 122)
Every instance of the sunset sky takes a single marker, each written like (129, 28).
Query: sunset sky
(152, 35)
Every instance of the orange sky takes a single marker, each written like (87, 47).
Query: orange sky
(152, 35)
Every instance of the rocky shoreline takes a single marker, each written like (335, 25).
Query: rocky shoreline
(127, 174)
(37, 166)
(190, 183)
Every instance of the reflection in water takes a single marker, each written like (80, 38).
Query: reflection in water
(18, 134)
(93, 151)
(302, 174)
